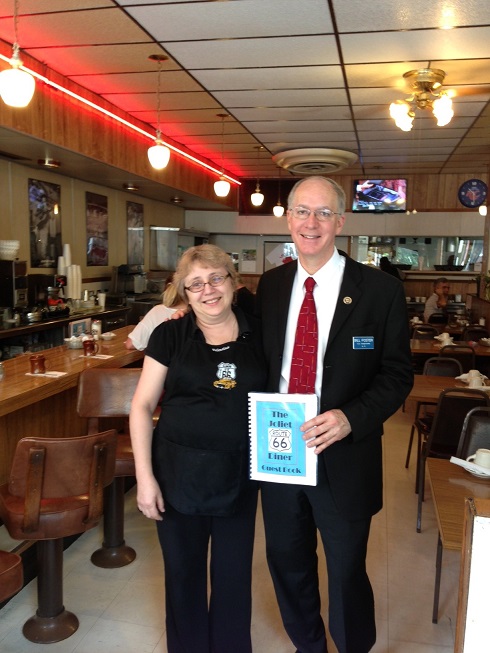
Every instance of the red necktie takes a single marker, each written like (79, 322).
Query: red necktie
(303, 363)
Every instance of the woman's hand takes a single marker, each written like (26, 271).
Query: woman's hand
(149, 499)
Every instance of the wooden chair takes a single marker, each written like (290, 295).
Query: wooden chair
(11, 575)
(463, 353)
(104, 398)
(475, 433)
(55, 490)
(443, 440)
(434, 366)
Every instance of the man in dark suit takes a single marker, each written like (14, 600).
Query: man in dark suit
(363, 375)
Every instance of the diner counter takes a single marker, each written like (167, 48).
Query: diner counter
(46, 406)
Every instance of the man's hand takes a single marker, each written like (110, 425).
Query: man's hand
(325, 429)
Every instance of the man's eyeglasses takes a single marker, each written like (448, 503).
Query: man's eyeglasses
(320, 214)
(214, 281)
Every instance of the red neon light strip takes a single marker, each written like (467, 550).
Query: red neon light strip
(121, 120)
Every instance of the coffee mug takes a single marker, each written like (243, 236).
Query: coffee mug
(38, 364)
(90, 347)
(475, 382)
(481, 457)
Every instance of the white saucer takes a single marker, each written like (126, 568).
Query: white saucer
(479, 474)
(479, 387)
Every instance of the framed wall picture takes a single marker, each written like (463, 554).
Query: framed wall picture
(136, 233)
(44, 223)
(277, 253)
(97, 229)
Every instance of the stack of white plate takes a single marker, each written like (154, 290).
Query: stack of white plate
(9, 249)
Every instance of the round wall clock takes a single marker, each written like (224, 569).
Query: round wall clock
(472, 193)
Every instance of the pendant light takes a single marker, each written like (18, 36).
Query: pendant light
(16, 85)
(222, 187)
(257, 198)
(278, 210)
(158, 154)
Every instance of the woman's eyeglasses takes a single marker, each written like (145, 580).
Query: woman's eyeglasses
(214, 281)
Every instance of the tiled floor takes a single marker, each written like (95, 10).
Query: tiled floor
(123, 611)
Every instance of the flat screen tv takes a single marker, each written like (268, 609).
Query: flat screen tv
(380, 195)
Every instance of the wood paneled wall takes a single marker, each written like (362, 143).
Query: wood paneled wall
(426, 192)
(56, 118)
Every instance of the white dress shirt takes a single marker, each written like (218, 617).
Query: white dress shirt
(328, 280)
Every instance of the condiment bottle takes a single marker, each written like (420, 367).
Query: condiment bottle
(96, 329)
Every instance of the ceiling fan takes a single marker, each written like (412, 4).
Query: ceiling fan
(425, 85)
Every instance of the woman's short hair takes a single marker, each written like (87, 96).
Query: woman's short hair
(207, 256)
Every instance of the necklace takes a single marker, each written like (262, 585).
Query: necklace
(218, 334)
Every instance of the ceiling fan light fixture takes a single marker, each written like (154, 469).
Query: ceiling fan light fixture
(402, 114)
(424, 84)
(442, 108)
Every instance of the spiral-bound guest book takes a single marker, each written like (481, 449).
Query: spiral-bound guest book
(278, 453)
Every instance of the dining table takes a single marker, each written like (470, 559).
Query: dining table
(433, 346)
(426, 389)
(450, 486)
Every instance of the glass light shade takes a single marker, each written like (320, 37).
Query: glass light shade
(16, 86)
(442, 108)
(482, 210)
(402, 114)
(256, 198)
(278, 210)
(222, 187)
(158, 155)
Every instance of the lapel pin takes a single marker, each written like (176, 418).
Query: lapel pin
(347, 300)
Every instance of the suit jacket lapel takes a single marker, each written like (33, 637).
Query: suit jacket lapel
(284, 300)
(349, 294)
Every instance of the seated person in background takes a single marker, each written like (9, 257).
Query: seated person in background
(244, 298)
(138, 339)
(437, 302)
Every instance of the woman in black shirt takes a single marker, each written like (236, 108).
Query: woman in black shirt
(192, 471)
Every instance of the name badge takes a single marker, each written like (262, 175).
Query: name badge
(363, 342)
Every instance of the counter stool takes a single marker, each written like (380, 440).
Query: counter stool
(55, 490)
(104, 396)
(11, 575)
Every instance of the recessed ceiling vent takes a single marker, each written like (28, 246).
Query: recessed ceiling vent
(314, 160)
